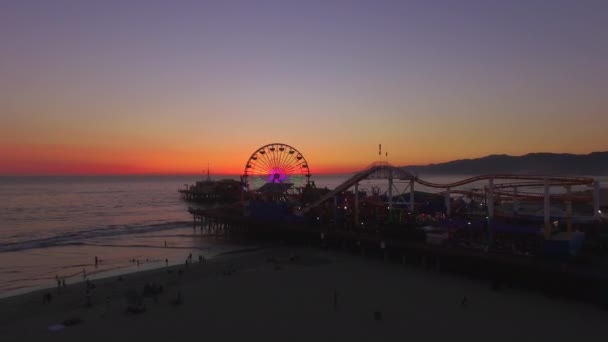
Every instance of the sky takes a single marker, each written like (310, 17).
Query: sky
(119, 87)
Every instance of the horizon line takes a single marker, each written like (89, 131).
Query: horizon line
(147, 174)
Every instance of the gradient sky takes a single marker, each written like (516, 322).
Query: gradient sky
(169, 86)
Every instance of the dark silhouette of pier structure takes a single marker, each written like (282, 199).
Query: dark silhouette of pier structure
(390, 233)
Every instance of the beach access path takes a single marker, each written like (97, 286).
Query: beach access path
(299, 294)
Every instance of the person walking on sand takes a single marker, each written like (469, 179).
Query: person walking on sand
(47, 297)
(166, 262)
(96, 261)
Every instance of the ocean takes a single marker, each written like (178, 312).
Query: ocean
(55, 226)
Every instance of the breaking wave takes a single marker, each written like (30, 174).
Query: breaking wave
(79, 237)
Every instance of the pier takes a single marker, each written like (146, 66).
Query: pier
(395, 244)
(428, 230)
(217, 223)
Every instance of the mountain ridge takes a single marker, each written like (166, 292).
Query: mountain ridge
(594, 163)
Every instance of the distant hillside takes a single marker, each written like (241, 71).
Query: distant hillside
(595, 163)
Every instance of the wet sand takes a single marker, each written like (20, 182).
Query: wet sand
(319, 295)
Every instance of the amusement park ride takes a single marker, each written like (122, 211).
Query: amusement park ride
(279, 163)
(276, 186)
(280, 202)
(276, 164)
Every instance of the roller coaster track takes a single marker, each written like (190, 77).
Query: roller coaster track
(400, 174)
(520, 195)
(357, 177)
(553, 180)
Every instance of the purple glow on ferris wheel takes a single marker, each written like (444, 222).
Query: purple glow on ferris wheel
(276, 175)
(275, 163)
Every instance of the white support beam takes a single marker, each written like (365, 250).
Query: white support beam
(490, 199)
(490, 204)
(547, 209)
(596, 199)
(412, 196)
(357, 223)
(448, 206)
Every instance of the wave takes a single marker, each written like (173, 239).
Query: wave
(78, 237)
(101, 192)
(140, 246)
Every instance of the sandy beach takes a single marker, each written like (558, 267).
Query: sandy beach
(305, 294)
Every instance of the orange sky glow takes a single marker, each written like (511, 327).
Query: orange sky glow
(105, 89)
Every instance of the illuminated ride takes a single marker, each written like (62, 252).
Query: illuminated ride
(276, 163)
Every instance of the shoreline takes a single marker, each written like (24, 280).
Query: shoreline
(152, 265)
(137, 276)
(280, 292)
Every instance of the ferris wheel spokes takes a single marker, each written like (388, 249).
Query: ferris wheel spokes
(276, 163)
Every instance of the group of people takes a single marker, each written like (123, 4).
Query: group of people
(150, 289)
(201, 260)
(47, 297)
(60, 282)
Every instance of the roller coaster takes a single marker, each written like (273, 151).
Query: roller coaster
(387, 171)
(284, 167)
(492, 192)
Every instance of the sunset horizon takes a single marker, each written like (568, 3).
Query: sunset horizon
(104, 88)
(283, 170)
(76, 169)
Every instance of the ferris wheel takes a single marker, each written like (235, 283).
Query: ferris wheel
(276, 163)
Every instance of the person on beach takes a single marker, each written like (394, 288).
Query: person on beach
(200, 259)
(47, 297)
(96, 261)
(63, 282)
(178, 299)
(166, 262)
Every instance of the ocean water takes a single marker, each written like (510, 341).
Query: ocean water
(55, 226)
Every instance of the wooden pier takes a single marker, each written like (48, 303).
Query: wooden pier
(217, 222)
(553, 277)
